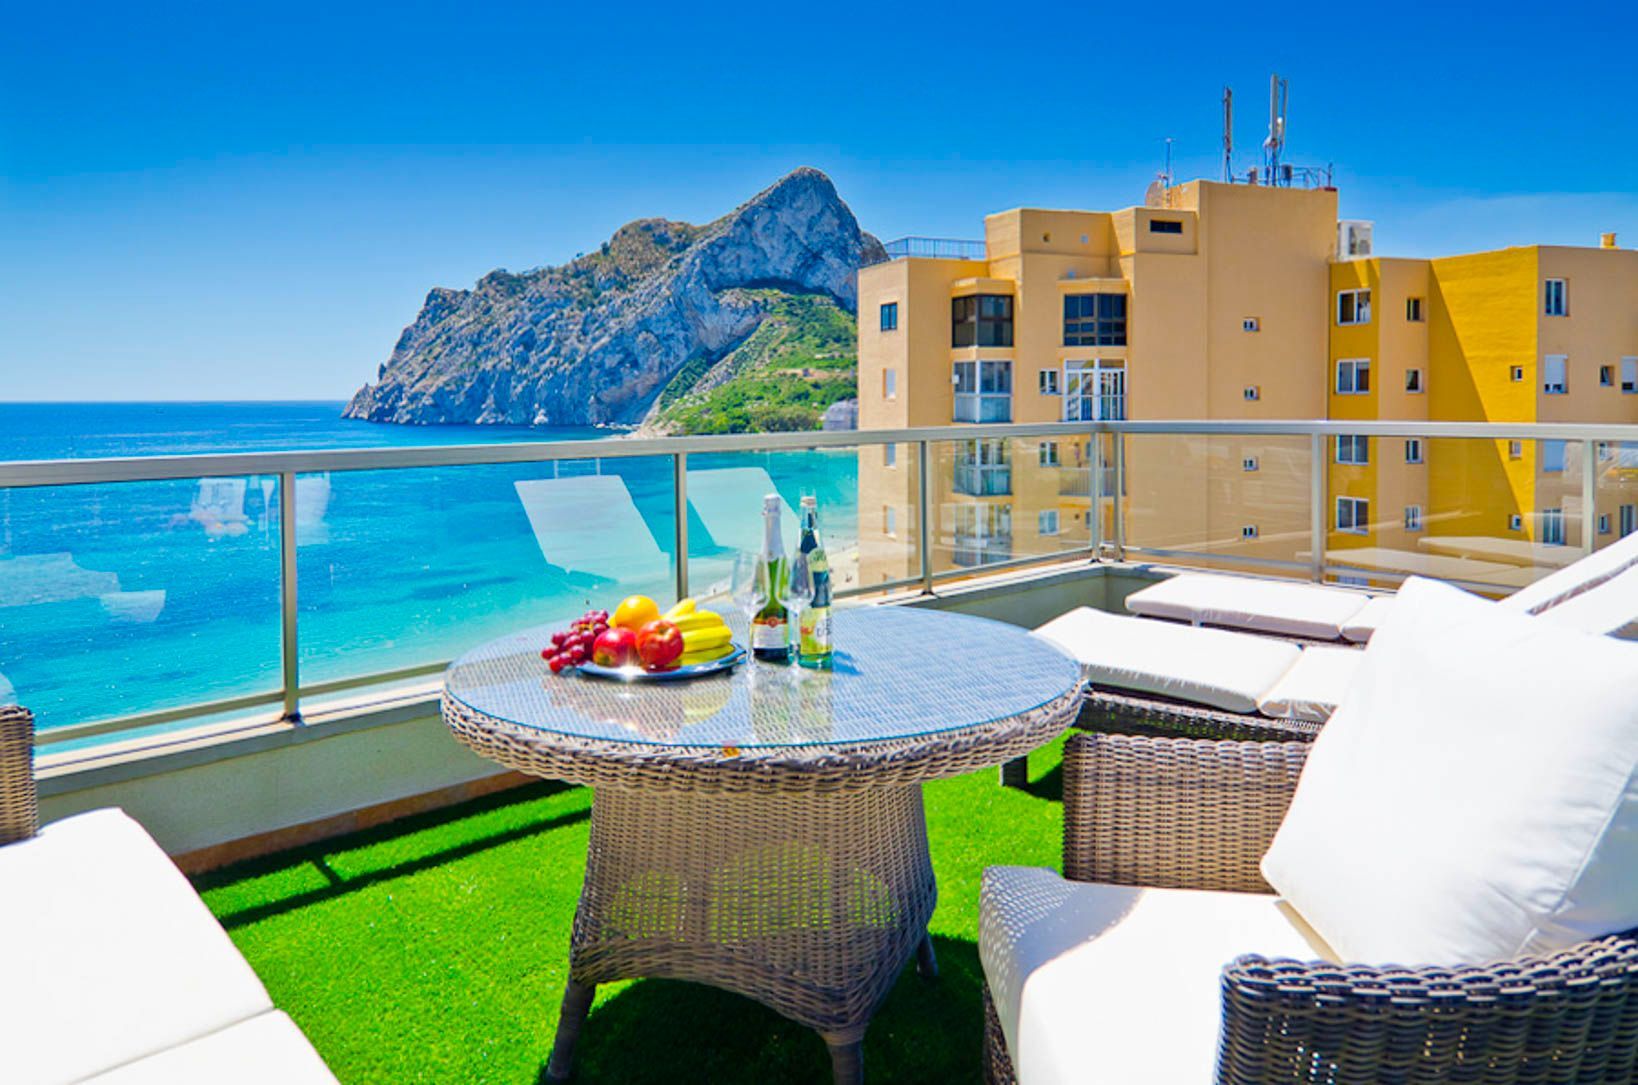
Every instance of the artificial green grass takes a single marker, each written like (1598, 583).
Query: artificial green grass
(435, 949)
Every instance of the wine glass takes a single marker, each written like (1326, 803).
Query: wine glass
(799, 589)
(749, 585)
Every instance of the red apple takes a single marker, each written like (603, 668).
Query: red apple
(659, 643)
(615, 648)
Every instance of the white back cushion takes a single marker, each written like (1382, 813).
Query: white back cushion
(1358, 629)
(1242, 602)
(1313, 687)
(1611, 608)
(1591, 571)
(1203, 666)
(1473, 797)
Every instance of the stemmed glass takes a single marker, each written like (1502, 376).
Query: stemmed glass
(749, 585)
(798, 594)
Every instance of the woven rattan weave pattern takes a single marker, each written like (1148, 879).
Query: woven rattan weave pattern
(763, 832)
(19, 806)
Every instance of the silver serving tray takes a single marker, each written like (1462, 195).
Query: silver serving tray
(676, 674)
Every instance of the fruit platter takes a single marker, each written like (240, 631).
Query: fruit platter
(637, 643)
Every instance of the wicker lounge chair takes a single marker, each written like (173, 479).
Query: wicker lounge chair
(1194, 815)
(116, 973)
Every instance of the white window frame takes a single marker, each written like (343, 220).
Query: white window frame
(1413, 450)
(1413, 381)
(1353, 450)
(1606, 376)
(1555, 297)
(1046, 522)
(1627, 519)
(1552, 527)
(1515, 522)
(1555, 365)
(890, 455)
(1361, 306)
(1047, 382)
(1629, 376)
(1094, 392)
(1353, 367)
(980, 402)
(1414, 312)
(890, 383)
(1413, 517)
(1515, 450)
(1248, 532)
(1249, 464)
(1358, 519)
(1046, 454)
(1603, 523)
(890, 520)
(1252, 393)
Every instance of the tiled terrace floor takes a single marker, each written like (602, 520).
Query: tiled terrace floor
(434, 949)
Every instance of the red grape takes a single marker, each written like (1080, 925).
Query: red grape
(556, 663)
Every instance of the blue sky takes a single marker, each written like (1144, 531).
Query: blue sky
(217, 201)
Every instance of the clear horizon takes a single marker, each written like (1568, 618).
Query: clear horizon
(207, 205)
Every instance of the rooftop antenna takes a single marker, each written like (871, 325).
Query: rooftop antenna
(1275, 143)
(1228, 135)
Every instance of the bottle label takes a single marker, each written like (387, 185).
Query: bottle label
(770, 633)
(815, 631)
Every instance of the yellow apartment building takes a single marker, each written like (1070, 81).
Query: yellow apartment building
(1234, 301)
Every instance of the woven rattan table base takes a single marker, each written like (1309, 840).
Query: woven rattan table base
(810, 903)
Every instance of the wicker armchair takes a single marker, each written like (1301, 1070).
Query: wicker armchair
(1184, 813)
(19, 807)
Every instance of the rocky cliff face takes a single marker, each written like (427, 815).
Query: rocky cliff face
(594, 342)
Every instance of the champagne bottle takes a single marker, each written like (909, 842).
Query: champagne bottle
(813, 645)
(770, 629)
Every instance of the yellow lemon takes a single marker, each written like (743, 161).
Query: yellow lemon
(634, 612)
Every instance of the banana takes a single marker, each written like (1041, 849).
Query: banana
(695, 640)
(700, 619)
(683, 608)
(704, 655)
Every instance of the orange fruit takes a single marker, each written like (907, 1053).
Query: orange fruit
(634, 612)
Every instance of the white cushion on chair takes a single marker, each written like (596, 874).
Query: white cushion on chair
(1313, 687)
(1239, 602)
(108, 953)
(1102, 983)
(1203, 666)
(1558, 588)
(266, 1050)
(1474, 797)
(1358, 629)
(1611, 608)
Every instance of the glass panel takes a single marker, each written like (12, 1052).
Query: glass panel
(888, 502)
(134, 597)
(400, 568)
(1004, 499)
(1192, 498)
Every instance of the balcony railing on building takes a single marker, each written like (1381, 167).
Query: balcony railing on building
(983, 407)
(934, 248)
(973, 550)
(983, 479)
(1077, 481)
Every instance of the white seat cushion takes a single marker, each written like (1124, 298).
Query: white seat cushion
(1358, 629)
(1591, 571)
(1203, 666)
(266, 1050)
(1239, 602)
(1102, 983)
(1611, 608)
(1313, 687)
(1474, 796)
(109, 954)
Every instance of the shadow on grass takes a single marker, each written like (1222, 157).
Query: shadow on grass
(1049, 785)
(318, 855)
(674, 1032)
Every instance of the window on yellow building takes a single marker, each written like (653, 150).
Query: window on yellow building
(1553, 454)
(1603, 523)
(890, 520)
(1046, 522)
(890, 455)
(890, 383)
(1353, 515)
(1413, 310)
(1552, 527)
(1629, 519)
(1353, 307)
(890, 316)
(1165, 226)
(1413, 450)
(1515, 522)
(1047, 454)
(1629, 376)
(1413, 381)
(1249, 531)
(1048, 380)
(1515, 450)
(1556, 297)
(1094, 320)
(1555, 380)
(1353, 376)
(983, 391)
(1353, 449)
(1413, 517)
(1516, 374)
(981, 320)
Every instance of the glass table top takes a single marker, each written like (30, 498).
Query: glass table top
(900, 672)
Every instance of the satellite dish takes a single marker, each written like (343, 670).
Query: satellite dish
(1154, 195)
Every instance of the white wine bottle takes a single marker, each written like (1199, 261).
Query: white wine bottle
(813, 644)
(770, 629)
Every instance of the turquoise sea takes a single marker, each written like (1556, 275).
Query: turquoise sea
(126, 598)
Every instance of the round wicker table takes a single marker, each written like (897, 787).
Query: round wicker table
(762, 830)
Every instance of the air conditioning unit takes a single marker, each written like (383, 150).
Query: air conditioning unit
(1353, 239)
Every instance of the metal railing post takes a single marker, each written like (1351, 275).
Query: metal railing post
(289, 645)
(1117, 505)
(1316, 507)
(923, 507)
(1589, 496)
(679, 510)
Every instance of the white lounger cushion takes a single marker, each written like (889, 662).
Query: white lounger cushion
(1558, 588)
(109, 954)
(1263, 606)
(1101, 983)
(1611, 608)
(1313, 687)
(1359, 628)
(1202, 666)
(1474, 797)
(266, 1050)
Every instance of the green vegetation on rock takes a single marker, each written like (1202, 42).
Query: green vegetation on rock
(799, 361)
